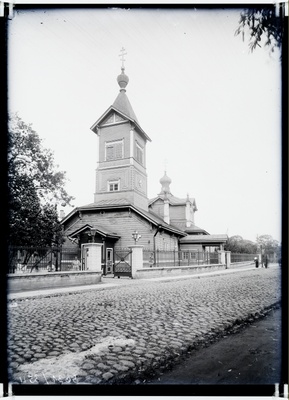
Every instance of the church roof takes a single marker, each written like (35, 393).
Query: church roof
(122, 106)
(173, 200)
(104, 203)
(195, 230)
(120, 203)
(205, 239)
(98, 229)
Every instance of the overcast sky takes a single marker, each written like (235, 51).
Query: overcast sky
(211, 108)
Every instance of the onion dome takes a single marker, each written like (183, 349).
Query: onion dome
(165, 181)
(122, 80)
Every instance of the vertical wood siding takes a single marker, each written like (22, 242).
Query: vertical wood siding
(124, 223)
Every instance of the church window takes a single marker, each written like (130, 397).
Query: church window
(114, 150)
(139, 154)
(113, 186)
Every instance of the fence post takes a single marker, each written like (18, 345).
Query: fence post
(136, 259)
(59, 257)
(92, 256)
(157, 257)
(222, 257)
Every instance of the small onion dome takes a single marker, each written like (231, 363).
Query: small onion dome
(122, 80)
(165, 181)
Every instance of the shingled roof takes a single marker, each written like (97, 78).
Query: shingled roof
(122, 106)
(204, 239)
(123, 203)
(173, 200)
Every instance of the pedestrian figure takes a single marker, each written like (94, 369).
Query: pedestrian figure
(50, 267)
(18, 266)
(36, 262)
(76, 264)
(266, 261)
(256, 262)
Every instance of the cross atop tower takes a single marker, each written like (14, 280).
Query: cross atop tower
(165, 164)
(122, 54)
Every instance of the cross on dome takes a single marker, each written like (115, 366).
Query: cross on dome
(165, 164)
(122, 79)
(122, 54)
(165, 181)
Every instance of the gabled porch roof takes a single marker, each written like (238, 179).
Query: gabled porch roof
(99, 229)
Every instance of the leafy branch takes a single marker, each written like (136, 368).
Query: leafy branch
(263, 27)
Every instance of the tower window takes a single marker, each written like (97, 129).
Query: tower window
(114, 150)
(139, 154)
(113, 186)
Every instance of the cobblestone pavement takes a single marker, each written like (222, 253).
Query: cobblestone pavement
(121, 334)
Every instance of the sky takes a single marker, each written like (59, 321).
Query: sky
(211, 107)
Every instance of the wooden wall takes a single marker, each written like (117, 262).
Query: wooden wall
(124, 223)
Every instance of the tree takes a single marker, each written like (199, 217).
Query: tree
(35, 188)
(263, 25)
(268, 245)
(236, 244)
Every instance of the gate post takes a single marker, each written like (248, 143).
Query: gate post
(222, 257)
(136, 259)
(91, 254)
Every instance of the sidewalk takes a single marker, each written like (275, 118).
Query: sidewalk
(110, 282)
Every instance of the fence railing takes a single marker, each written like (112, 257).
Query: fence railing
(42, 259)
(164, 258)
(242, 257)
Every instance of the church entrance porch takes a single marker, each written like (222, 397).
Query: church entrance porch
(87, 235)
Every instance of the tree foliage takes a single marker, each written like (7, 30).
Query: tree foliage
(35, 188)
(268, 245)
(236, 244)
(264, 244)
(263, 27)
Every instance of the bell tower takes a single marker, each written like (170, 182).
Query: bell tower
(121, 176)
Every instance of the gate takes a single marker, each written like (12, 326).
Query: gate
(122, 263)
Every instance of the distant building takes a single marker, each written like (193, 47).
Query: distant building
(121, 206)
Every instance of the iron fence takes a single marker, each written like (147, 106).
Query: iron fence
(164, 258)
(42, 259)
(242, 257)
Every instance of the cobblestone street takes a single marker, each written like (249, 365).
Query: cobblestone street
(120, 334)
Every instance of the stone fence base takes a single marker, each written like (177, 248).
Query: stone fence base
(169, 271)
(242, 264)
(185, 270)
(48, 280)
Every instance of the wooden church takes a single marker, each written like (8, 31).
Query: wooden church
(121, 213)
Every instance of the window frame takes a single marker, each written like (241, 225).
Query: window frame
(139, 150)
(114, 184)
(112, 144)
